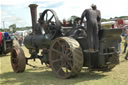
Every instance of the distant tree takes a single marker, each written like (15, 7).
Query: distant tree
(13, 27)
(73, 17)
(116, 17)
(103, 20)
(110, 18)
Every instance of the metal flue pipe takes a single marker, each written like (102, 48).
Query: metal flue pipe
(33, 9)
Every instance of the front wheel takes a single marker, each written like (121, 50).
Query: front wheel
(18, 60)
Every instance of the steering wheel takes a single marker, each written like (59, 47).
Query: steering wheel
(50, 23)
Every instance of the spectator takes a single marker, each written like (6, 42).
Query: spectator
(6, 35)
(64, 22)
(126, 42)
(20, 40)
(125, 35)
(70, 23)
(112, 26)
(1, 36)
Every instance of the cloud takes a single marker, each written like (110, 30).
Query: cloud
(12, 19)
(12, 2)
(51, 4)
(17, 11)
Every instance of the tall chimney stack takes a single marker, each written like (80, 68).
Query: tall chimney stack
(33, 9)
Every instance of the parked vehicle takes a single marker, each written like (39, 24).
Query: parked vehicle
(6, 43)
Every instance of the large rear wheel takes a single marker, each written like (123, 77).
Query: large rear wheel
(66, 57)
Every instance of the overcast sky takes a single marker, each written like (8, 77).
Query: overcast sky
(17, 11)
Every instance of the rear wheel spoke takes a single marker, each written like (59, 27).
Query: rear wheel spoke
(66, 69)
(69, 53)
(57, 60)
(63, 64)
(69, 63)
(58, 52)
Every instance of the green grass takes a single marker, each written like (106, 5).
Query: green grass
(42, 75)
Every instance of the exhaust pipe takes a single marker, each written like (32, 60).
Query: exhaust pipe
(33, 9)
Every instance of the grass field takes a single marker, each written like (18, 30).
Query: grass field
(42, 75)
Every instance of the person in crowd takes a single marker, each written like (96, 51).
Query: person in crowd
(1, 36)
(6, 35)
(70, 23)
(21, 40)
(125, 35)
(64, 22)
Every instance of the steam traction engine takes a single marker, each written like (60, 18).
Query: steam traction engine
(65, 49)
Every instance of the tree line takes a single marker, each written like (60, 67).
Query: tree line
(13, 28)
